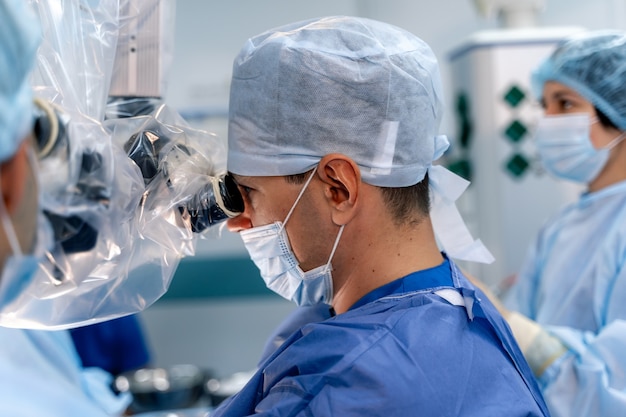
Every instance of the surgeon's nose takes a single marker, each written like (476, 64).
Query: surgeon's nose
(239, 223)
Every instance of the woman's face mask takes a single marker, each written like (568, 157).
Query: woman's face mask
(271, 252)
(565, 147)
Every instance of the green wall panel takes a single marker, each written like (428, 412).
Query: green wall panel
(199, 278)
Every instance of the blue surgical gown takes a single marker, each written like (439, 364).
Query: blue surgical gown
(41, 375)
(574, 284)
(423, 345)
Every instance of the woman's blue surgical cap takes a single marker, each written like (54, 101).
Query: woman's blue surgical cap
(594, 65)
(20, 35)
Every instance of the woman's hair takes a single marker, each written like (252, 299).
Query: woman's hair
(604, 120)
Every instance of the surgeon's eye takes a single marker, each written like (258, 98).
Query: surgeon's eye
(245, 189)
(566, 104)
(231, 195)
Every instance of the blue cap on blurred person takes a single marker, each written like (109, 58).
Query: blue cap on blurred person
(594, 65)
(20, 35)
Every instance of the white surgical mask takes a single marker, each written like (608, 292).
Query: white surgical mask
(271, 252)
(565, 147)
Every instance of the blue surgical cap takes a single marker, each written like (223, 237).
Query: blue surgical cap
(594, 65)
(355, 86)
(19, 38)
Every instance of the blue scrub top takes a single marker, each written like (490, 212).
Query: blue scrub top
(427, 344)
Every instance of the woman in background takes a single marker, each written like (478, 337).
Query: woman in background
(567, 308)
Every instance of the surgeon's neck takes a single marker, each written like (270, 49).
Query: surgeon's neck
(378, 256)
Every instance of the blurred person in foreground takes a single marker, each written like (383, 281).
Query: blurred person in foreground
(40, 371)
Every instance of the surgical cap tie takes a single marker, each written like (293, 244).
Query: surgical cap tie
(450, 229)
(441, 145)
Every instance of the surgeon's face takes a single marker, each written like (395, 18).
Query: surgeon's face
(269, 199)
(558, 99)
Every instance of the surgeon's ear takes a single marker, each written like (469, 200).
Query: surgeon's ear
(342, 179)
(13, 174)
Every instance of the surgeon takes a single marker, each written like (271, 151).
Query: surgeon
(567, 307)
(40, 372)
(332, 135)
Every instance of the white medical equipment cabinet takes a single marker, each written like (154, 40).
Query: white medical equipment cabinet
(494, 112)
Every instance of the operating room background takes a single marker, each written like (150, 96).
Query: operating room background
(217, 313)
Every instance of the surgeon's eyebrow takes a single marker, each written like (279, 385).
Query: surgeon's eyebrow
(244, 182)
(239, 179)
(566, 94)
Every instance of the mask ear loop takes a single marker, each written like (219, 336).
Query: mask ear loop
(614, 142)
(9, 230)
(332, 252)
(306, 184)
